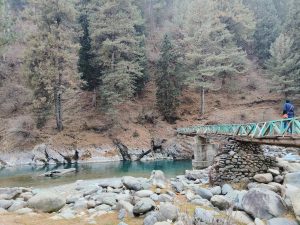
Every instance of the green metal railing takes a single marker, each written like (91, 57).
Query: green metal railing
(273, 128)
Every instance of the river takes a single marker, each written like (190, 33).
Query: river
(28, 176)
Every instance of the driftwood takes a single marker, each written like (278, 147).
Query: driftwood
(123, 150)
(59, 173)
(127, 157)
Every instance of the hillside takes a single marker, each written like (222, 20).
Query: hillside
(246, 98)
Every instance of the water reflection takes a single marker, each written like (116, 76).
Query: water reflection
(29, 175)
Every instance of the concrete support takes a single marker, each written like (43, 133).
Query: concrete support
(204, 153)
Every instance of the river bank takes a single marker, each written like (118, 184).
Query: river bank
(184, 199)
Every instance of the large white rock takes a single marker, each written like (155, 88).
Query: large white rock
(158, 179)
(168, 211)
(242, 217)
(221, 202)
(292, 192)
(47, 202)
(143, 206)
(132, 183)
(263, 204)
(263, 178)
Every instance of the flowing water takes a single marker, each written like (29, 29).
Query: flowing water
(29, 176)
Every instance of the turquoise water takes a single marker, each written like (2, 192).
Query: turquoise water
(28, 176)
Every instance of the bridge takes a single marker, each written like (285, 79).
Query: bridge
(284, 133)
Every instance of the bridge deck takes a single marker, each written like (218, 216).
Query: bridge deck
(277, 132)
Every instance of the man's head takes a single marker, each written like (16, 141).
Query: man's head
(287, 101)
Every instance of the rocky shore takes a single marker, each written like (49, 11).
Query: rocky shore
(273, 198)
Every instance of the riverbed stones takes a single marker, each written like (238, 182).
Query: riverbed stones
(263, 204)
(114, 183)
(158, 179)
(143, 206)
(132, 183)
(24, 211)
(274, 172)
(278, 179)
(263, 178)
(46, 202)
(221, 202)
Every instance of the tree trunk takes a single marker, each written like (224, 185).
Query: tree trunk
(202, 101)
(122, 149)
(58, 105)
(94, 100)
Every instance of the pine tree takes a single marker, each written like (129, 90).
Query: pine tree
(50, 57)
(167, 81)
(267, 27)
(119, 48)
(90, 71)
(212, 52)
(280, 64)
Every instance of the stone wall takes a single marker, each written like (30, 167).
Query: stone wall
(238, 162)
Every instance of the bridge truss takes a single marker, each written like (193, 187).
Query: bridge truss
(284, 132)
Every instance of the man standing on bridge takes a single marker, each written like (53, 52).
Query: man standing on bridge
(288, 108)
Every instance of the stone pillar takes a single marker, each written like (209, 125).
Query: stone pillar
(204, 153)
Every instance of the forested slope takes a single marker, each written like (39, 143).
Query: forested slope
(81, 73)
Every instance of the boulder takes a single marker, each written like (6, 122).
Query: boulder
(18, 204)
(201, 202)
(114, 183)
(178, 186)
(144, 193)
(195, 174)
(216, 190)
(241, 217)
(226, 188)
(203, 215)
(292, 192)
(127, 206)
(152, 218)
(168, 211)
(221, 202)
(281, 221)
(278, 179)
(204, 193)
(24, 211)
(5, 204)
(158, 179)
(143, 206)
(47, 202)
(165, 198)
(132, 183)
(263, 178)
(163, 223)
(274, 172)
(81, 204)
(263, 204)
(236, 197)
(258, 221)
